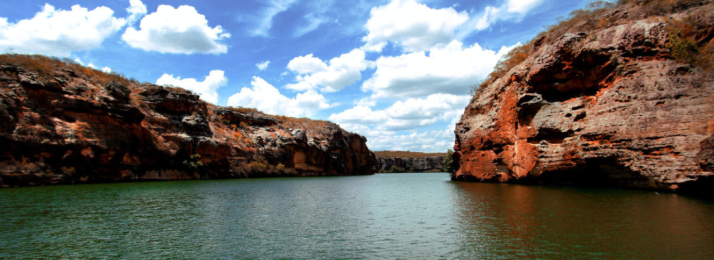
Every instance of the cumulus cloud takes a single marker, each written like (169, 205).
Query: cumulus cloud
(207, 88)
(405, 115)
(316, 74)
(136, 10)
(509, 10)
(428, 141)
(177, 30)
(450, 69)
(385, 129)
(106, 69)
(60, 32)
(263, 65)
(412, 25)
(265, 97)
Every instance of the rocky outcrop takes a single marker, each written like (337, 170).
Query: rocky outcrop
(68, 127)
(426, 164)
(607, 107)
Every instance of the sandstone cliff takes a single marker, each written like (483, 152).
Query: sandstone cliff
(62, 123)
(426, 164)
(609, 106)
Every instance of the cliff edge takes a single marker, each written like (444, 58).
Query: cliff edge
(618, 96)
(61, 123)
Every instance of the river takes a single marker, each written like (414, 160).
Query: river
(385, 216)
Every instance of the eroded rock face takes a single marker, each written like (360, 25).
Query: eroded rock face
(426, 164)
(604, 107)
(71, 129)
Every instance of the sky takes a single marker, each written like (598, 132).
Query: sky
(395, 71)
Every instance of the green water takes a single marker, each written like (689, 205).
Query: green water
(407, 216)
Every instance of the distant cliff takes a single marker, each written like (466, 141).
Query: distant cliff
(620, 96)
(62, 123)
(426, 164)
(409, 161)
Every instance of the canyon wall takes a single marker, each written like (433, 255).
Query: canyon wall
(67, 124)
(603, 107)
(426, 164)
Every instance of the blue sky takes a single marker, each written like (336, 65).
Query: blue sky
(395, 71)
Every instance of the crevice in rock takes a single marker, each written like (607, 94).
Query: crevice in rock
(552, 136)
(596, 172)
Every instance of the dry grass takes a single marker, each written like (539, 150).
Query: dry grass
(406, 154)
(305, 123)
(52, 67)
(179, 90)
(245, 110)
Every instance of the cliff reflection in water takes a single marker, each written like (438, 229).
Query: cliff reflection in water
(556, 222)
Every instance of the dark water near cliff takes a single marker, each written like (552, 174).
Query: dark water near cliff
(384, 216)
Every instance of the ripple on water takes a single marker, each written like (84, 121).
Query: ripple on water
(384, 216)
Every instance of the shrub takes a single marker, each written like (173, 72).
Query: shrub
(449, 164)
(245, 110)
(683, 49)
(68, 170)
(394, 169)
(194, 162)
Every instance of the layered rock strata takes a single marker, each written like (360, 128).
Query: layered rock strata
(66, 127)
(605, 107)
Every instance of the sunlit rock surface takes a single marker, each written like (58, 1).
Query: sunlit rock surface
(607, 107)
(67, 127)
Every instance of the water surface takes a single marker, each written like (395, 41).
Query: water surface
(388, 216)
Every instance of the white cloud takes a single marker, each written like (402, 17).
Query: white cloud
(267, 98)
(307, 64)
(405, 115)
(60, 32)
(428, 141)
(263, 65)
(367, 102)
(136, 10)
(207, 89)
(106, 69)
(316, 74)
(412, 25)
(433, 106)
(450, 69)
(522, 6)
(359, 115)
(385, 129)
(509, 10)
(177, 30)
(313, 22)
(265, 22)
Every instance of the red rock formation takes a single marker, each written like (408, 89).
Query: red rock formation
(607, 106)
(66, 126)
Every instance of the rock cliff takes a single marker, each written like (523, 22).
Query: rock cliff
(61, 123)
(609, 106)
(426, 164)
